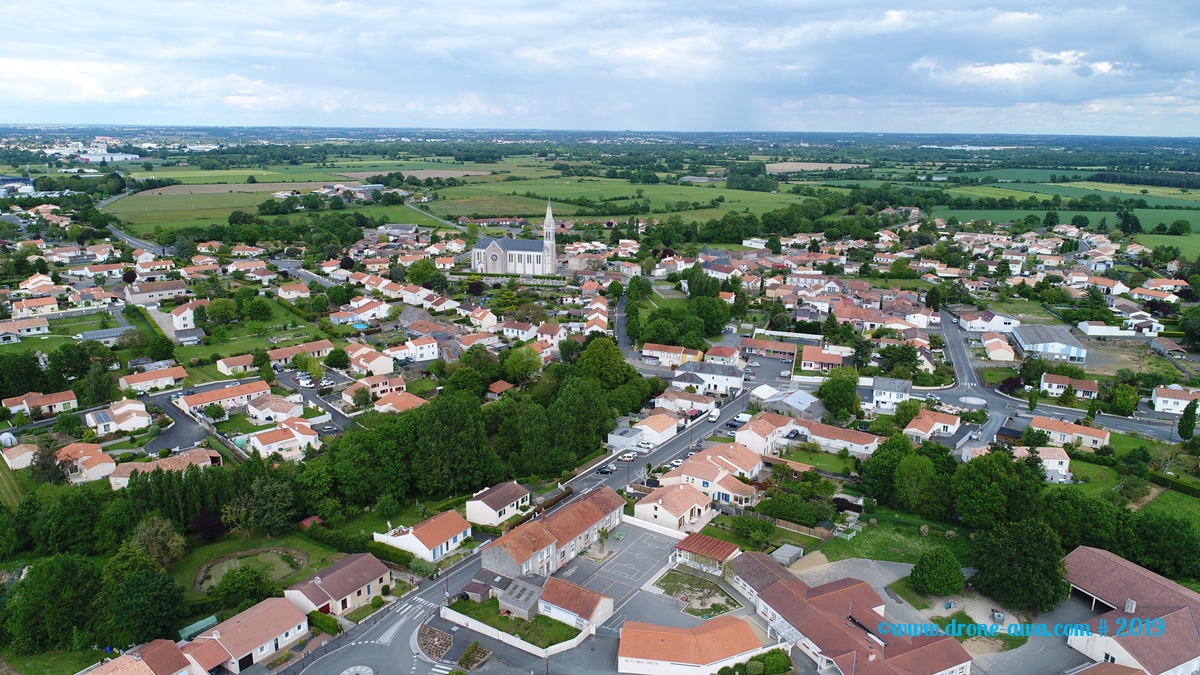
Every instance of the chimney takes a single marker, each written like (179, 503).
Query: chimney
(1130, 606)
(216, 635)
(681, 486)
(660, 502)
(871, 656)
(317, 580)
(137, 657)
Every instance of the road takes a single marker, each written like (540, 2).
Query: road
(288, 379)
(164, 251)
(294, 268)
(461, 228)
(185, 433)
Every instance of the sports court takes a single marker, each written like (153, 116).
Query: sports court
(641, 555)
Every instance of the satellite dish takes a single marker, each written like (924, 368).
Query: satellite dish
(7, 440)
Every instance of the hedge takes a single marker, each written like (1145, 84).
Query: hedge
(339, 541)
(153, 325)
(389, 553)
(306, 315)
(324, 622)
(1174, 484)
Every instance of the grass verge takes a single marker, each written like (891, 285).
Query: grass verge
(904, 588)
(1006, 641)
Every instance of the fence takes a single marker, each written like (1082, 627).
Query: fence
(735, 510)
(335, 643)
(208, 426)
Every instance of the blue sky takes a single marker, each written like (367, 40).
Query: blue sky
(1099, 67)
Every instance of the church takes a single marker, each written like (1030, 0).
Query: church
(517, 256)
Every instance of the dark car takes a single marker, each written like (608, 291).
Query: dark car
(733, 425)
(329, 429)
(607, 469)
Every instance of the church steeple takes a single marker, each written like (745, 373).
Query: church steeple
(548, 250)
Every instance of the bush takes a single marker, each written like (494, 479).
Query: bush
(385, 590)
(938, 572)
(775, 662)
(754, 668)
(339, 541)
(387, 506)
(466, 657)
(324, 622)
(422, 567)
(377, 602)
(389, 553)
(164, 453)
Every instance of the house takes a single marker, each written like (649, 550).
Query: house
(771, 348)
(1162, 346)
(497, 504)
(677, 507)
(1131, 592)
(657, 429)
(48, 404)
(124, 415)
(227, 398)
(1106, 286)
(718, 471)
(342, 587)
(929, 423)
(432, 539)
(669, 355)
(708, 378)
(318, 349)
(184, 316)
(704, 553)
(158, 657)
(752, 572)
(1054, 459)
(154, 292)
(251, 637)
(647, 649)
(989, 322)
(378, 385)
(273, 408)
(483, 319)
(366, 361)
(684, 402)
(888, 392)
(1053, 343)
(540, 548)
(765, 432)
(1065, 432)
(32, 307)
(496, 389)
(724, 355)
(398, 402)
(84, 462)
(1172, 398)
(574, 605)
(12, 330)
(20, 456)
(516, 330)
(833, 439)
(1055, 385)
(198, 457)
(150, 380)
(997, 347)
(1144, 294)
(814, 358)
(293, 292)
(290, 438)
(528, 549)
(244, 251)
(234, 365)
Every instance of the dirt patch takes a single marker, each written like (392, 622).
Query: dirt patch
(814, 559)
(1155, 490)
(433, 642)
(787, 167)
(977, 646)
(238, 187)
(419, 173)
(1106, 357)
(300, 556)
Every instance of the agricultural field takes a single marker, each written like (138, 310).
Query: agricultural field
(149, 209)
(1036, 175)
(1074, 191)
(1136, 190)
(1109, 356)
(996, 192)
(1006, 215)
(1189, 246)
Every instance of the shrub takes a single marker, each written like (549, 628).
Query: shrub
(938, 572)
(466, 657)
(422, 567)
(385, 590)
(377, 602)
(754, 668)
(324, 622)
(164, 453)
(775, 662)
(390, 553)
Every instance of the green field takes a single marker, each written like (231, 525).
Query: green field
(897, 538)
(1100, 479)
(1025, 310)
(1189, 246)
(994, 192)
(1106, 190)
(1136, 190)
(186, 569)
(240, 343)
(11, 491)
(822, 460)
(50, 663)
(151, 208)
(994, 376)
(1173, 504)
(1006, 215)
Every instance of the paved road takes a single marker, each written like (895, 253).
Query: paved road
(141, 243)
(294, 268)
(462, 228)
(288, 379)
(185, 433)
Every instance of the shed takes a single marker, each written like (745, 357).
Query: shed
(787, 554)
(521, 597)
(477, 592)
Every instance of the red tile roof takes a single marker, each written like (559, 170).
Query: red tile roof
(708, 547)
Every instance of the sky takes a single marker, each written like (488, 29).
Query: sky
(1097, 67)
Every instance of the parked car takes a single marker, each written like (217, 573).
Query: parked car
(326, 382)
(607, 469)
(754, 364)
(628, 457)
(645, 444)
(933, 397)
(691, 453)
(785, 360)
(733, 425)
(676, 463)
(329, 429)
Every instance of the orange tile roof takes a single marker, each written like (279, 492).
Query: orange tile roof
(440, 528)
(522, 542)
(678, 500)
(716, 640)
(175, 373)
(580, 601)
(255, 626)
(1048, 424)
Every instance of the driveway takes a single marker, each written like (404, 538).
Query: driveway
(163, 320)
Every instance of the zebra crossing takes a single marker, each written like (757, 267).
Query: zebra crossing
(413, 607)
(441, 669)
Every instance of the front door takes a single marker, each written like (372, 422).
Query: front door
(276, 644)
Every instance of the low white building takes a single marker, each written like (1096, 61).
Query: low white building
(657, 429)
(430, 540)
(574, 605)
(677, 507)
(497, 504)
(124, 415)
(647, 649)
(1173, 398)
(708, 378)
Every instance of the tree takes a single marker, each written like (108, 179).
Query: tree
(1035, 438)
(53, 606)
(1187, 422)
(603, 360)
(1125, 399)
(1067, 398)
(839, 391)
(160, 348)
(994, 489)
(45, 466)
(938, 572)
(914, 480)
(337, 359)
(69, 424)
(362, 396)
(96, 387)
(1021, 565)
(273, 505)
(523, 363)
(933, 298)
(614, 291)
(421, 271)
(258, 309)
(249, 582)
(1033, 399)
(157, 538)
(660, 331)
(906, 411)
(238, 514)
(880, 470)
(222, 311)
(147, 606)
(214, 411)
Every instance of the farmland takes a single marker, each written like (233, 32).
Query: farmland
(1189, 246)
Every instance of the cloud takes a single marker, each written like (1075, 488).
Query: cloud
(932, 65)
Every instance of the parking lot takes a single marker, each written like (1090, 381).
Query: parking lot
(769, 370)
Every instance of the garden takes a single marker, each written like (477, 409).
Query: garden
(542, 631)
(701, 597)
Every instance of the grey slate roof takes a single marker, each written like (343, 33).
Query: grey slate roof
(1036, 334)
(533, 245)
(500, 496)
(707, 368)
(760, 570)
(105, 333)
(892, 384)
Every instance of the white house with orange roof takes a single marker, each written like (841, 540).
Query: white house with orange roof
(1054, 459)
(1144, 294)
(551, 333)
(765, 432)
(123, 415)
(930, 423)
(716, 471)
(430, 540)
(997, 347)
(1173, 398)
(483, 319)
(163, 378)
(291, 438)
(1065, 432)
(378, 385)
(293, 292)
(676, 507)
(244, 251)
(398, 402)
(365, 360)
(657, 429)
(833, 438)
(183, 316)
(723, 355)
(49, 404)
(84, 462)
(31, 307)
(669, 355)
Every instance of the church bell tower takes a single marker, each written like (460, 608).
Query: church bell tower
(549, 264)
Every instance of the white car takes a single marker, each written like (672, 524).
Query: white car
(646, 444)
(676, 463)
(754, 364)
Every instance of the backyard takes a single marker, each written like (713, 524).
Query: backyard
(239, 424)
(1099, 479)
(11, 491)
(897, 538)
(50, 663)
(822, 460)
(779, 538)
(283, 326)
(704, 598)
(542, 631)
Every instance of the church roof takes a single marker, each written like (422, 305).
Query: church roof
(534, 245)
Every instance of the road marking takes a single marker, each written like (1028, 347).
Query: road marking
(441, 669)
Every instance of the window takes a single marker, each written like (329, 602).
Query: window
(358, 593)
(1109, 658)
(368, 593)
(500, 512)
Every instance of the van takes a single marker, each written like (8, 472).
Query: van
(628, 457)
(742, 418)
(714, 415)
(785, 373)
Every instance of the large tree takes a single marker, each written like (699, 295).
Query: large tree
(938, 572)
(914, 481)
(148, 605)
(1021, 565)
(603, 360)
(1187, 422)
(53, 606)
(839, 391)
(157, 538)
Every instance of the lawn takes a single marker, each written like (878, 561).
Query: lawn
(710, 599)
(822, 460)
(80, 324)
(51, 663)
(781, 536)
(418, 387)
(994, 376)
(897, 538)
(1008, 641)
(1123, 443)
(239, 424)
(673, 303)
(1189, 246)
(209, 373)
(904, 588)
(1025, 310)
(238, 342)
(542, 631)
(41, 343)
(184, 571)
(11, 491)
(362, 612)
(1100, 479)
(721, 439)
(1175, 504)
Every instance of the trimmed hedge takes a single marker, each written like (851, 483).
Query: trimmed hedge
(389, 553)
(324, 622)
(303, 314)
(1174, 484)
(339, 541)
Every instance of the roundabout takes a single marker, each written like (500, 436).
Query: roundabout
(973, 401)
